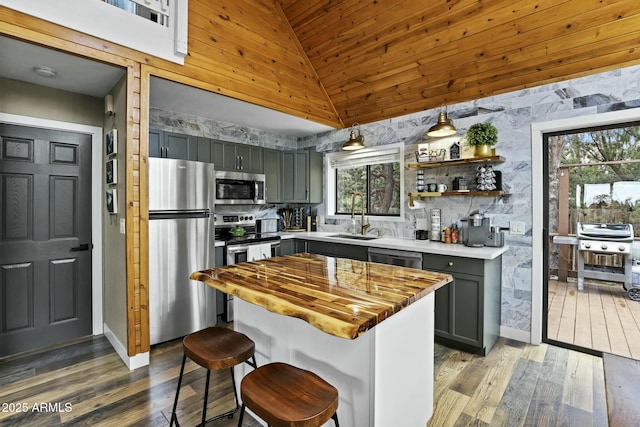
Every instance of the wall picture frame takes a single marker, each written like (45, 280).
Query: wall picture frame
(111, 142)
(111, 172)
(111, 196)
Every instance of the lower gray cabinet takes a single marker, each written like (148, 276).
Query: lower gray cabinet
(287, 247)
(467, 311)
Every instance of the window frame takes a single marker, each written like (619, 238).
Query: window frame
(374, 153)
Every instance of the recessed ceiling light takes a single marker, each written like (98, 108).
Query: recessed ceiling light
(45, 72)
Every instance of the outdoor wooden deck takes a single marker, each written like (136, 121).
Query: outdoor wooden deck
(601, 317)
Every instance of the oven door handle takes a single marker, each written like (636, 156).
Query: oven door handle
(237, 248)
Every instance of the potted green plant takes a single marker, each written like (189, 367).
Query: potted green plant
(482, 136)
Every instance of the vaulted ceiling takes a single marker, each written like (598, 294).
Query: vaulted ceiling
(381, 59)
(341, 62)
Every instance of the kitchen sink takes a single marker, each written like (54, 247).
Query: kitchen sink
(353, 236)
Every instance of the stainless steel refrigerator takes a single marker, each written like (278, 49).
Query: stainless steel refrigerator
(181, 240)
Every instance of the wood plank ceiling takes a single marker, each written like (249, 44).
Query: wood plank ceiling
(382, 59)
(338, 62)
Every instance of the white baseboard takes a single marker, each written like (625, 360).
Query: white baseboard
(515, 334)
(132, 362)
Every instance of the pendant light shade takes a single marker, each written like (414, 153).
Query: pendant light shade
(354, 142)
(444, 127)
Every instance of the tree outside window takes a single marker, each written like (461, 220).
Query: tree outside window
(604, 174)
(380, 184)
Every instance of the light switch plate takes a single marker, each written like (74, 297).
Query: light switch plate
(122, 226)
(516, 227)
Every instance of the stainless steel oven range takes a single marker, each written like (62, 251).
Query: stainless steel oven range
(607, 240)
(242, 243)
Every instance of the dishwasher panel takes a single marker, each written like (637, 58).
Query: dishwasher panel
(396, 257)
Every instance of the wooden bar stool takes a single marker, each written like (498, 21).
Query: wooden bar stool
(286, 396)
(215, 348)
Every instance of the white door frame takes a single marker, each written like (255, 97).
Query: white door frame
(537, 162)
(96, 201)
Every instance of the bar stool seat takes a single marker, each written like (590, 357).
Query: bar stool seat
(215, 348)
(286, 396)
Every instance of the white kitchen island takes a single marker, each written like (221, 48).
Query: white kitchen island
(365, 328)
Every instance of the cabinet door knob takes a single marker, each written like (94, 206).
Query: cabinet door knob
(450, 263)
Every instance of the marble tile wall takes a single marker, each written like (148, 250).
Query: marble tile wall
(512, 113)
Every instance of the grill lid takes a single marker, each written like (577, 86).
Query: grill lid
(610, 232)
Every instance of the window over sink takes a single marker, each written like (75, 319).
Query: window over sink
(377, 173)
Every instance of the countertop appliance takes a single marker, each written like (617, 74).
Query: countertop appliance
(181, 202)
(605, 239)
(252, 246)
(239, 188)
(478, 228)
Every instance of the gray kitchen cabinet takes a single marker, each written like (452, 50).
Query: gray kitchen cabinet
(272, 169)
(172, 145)
(219, 262)
(467, 311)
(204, 150)
(229, 156)
(219, 256)
(287, 247)
(301, 176)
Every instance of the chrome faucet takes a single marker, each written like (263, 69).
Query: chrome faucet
(363, 228)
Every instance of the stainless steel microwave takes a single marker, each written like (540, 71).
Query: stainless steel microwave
(239, 188)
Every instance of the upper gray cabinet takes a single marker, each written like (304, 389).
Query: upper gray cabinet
(172, 145)
(301, 176)
(272, 171)
(229, 156)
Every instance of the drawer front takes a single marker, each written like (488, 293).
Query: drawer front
(453, 264)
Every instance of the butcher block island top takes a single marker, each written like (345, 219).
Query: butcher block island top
(341, 297)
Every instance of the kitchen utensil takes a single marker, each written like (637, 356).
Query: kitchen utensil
(442, 188)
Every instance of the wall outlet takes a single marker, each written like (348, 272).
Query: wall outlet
(516, 227)
(123, 229)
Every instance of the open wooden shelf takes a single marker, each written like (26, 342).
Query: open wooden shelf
(493, 193)
(438, 164)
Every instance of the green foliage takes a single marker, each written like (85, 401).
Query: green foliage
(482, 134)
(383, 182)
(613, 146)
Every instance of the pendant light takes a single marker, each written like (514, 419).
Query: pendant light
(444, 127)
(354, 142)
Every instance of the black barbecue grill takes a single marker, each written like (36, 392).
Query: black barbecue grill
(608, 240)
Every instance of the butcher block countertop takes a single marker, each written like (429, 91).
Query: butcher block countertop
(339, 296)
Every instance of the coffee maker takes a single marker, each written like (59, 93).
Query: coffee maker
(479, 228)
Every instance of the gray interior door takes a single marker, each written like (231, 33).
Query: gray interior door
(45, 240)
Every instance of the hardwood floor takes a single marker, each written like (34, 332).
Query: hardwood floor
(515, 385)
(94, 388)
(518, 384)
(601, 317)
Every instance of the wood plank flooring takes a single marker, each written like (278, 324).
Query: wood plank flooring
(601, 317)
(518, 384)
(515, 385)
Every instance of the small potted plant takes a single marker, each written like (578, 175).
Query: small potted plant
(482, 136)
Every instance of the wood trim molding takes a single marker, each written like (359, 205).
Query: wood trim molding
(137, 291)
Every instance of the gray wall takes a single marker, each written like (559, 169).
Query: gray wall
(114, 243)
(26, 99)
